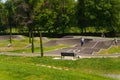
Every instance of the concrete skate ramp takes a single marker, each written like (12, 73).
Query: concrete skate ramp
(88, 51)
(89, 44)
(104, 44)
(69, 41)
(7, 37)
(88, 48)
(118, 43)
(51, 43)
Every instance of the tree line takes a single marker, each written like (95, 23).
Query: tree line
(59, 16)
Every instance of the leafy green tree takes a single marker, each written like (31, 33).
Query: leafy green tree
(80, 13)
(3, 20)
(10, 16)
(115, 15)
(65, 13)
(25, 17)
(105, 14)
(55, 16)
(3, 16)
(101, 14)
(45, 16)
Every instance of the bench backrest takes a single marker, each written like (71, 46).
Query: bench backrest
(67, 54)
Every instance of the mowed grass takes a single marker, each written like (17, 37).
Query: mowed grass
(28, 68)
(37, 49)
(23, 46)
(112, 50)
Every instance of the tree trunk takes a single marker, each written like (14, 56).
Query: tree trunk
(41, 44)
(30, 34)
(82, 30)
(10, 35)
(32, 42)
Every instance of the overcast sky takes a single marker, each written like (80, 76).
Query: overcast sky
(3, 0)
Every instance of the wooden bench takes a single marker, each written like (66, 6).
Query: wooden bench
(67, 54)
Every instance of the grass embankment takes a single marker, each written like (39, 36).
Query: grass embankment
(23, 46)
(112, 50)
(24, 68)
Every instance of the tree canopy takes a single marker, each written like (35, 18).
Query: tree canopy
(59, 16)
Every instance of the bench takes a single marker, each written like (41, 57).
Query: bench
(67, 54)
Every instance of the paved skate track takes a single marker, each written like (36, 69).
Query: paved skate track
(91, 46)
(7, 37)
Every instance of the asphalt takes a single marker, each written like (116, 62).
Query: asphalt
(88, 50)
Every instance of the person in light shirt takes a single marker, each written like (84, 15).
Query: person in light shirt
(115, 41)
(82, 41)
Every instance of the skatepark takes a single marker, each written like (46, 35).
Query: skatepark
(91, 46)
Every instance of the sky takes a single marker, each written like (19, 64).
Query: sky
(3, 0)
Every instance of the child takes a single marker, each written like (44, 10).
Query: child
(82, 41)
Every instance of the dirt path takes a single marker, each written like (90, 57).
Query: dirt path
(38, 54)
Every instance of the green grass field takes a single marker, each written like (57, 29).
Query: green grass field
(46, 68)
(26, 68)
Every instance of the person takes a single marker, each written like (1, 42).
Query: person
(103, 35)
(115, 41)
(82, 41)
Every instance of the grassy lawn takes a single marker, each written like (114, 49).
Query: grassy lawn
(37, 49)
(30, 68)
(112, 50)
(26, 68)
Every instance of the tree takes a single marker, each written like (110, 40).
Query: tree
(101, 14)
(3, 17)
(65, 13)
(25, 17)
(80, 13)
(10, 16)
(55, 16)
(3, 20)
(106, 14)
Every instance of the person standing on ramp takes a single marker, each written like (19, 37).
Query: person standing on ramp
(82, 41)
